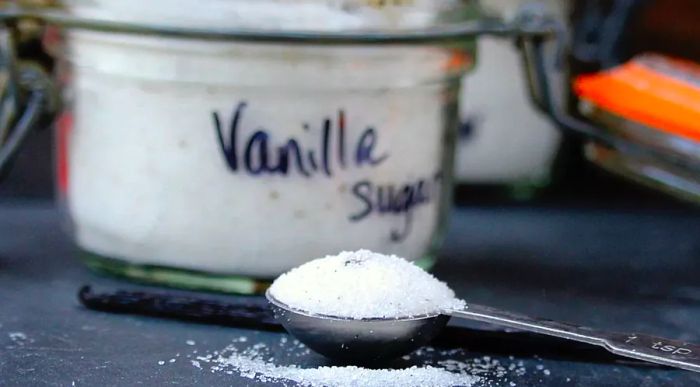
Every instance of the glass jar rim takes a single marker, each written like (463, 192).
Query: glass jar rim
(454, 33)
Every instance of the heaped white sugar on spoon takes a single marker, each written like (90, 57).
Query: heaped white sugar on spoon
(362, 284)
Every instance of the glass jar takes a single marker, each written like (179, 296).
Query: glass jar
(220, 165)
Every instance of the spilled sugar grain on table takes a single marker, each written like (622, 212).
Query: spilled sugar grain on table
(428, 366)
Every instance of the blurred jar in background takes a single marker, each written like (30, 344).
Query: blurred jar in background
(31, 172)
(504, 141)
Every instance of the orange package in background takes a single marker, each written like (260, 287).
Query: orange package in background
(657, 91)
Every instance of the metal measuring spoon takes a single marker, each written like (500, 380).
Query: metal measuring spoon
(375, 339)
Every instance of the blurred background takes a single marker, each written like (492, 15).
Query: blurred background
(515, 158)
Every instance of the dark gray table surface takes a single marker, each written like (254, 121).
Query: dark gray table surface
(618, 270)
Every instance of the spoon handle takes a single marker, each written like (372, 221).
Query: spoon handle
(644, 347)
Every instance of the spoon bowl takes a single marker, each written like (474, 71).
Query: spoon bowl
(358, 340)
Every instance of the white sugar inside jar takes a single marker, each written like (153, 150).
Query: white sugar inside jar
(206, 164)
